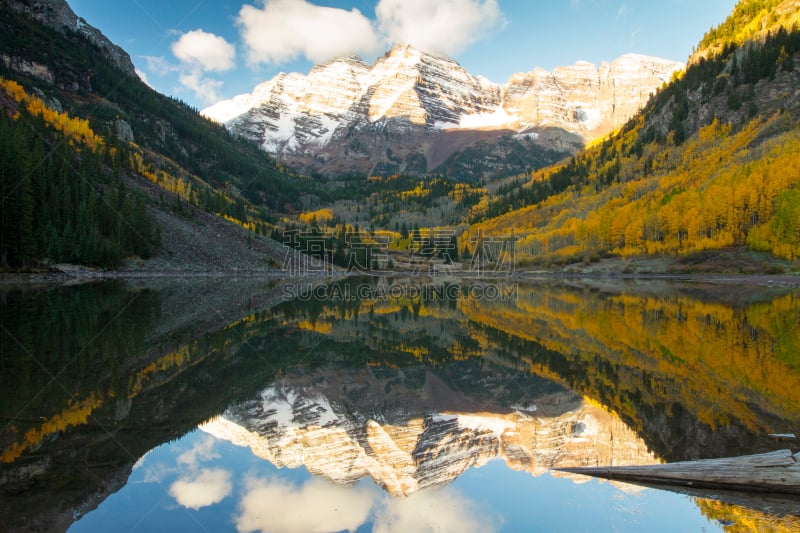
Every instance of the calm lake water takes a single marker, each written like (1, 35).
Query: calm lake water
(383, 405)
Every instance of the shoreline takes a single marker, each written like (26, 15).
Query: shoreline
(78, 275)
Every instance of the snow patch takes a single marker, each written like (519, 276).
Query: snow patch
(589, 116)
(530, 136)
(588, 426)
(325, 413)
(327, 126)
(483, 424)
(281, 407)
(226, 110)
(282, 410)
(442, 125)
(493, 119)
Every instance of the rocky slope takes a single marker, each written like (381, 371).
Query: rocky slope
(411, 110)
(58, 15)
(345, 426)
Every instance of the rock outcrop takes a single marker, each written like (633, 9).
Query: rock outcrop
(58, 15)
(583, 98)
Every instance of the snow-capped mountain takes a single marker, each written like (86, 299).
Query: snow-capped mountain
(411, 110)
(344, 427)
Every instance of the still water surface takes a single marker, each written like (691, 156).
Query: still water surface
(254, 406)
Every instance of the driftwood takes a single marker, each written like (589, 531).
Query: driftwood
(776, 472)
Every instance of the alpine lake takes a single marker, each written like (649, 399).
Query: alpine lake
(388, 404)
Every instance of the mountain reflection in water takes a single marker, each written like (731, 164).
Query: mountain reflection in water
(409, 430)
(408, 391)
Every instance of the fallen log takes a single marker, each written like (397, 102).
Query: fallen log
(774, 472)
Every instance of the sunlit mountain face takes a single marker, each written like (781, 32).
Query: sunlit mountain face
(411, 111)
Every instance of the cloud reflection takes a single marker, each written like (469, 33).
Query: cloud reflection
(201, 452)
(208, 487)
(277, 506)
(316, 506)
(434, 510)
(200, 487)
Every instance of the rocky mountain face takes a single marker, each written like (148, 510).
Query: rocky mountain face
(345, 426)
(58, 15)
(411, 111)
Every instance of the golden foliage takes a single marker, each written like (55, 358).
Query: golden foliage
(75, 414)
(745, 520)
(719, 361)
(320, 216)
(75, 129)
(179, 185)
(176, 359)
(712, 192)
(317, 326)
(246, 225)
(463, 190)
(419, 191)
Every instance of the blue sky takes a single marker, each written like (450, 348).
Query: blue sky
(205, 50)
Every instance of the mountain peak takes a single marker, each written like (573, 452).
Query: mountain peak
(405, 50)
(342, 60)
(347, 116)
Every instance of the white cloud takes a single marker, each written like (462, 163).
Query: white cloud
(208, 487)
(622, 11)
(433, 510)
(159, 65)
(206, 89)
(283, 30)
(204, 50)
(445, 26)
(316, 506)
(143, 77)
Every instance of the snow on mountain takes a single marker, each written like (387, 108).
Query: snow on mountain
(347, 116)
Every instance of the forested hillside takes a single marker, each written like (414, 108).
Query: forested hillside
(750, 20)
(711, 162)
(63, 196)
(78, 75)
(87, 146)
